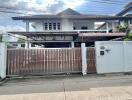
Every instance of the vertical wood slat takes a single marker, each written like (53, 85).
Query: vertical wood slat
(46, 61)
(91, 66)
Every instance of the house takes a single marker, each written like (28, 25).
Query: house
(69, 28)
(127, 11)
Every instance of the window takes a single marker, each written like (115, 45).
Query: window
(22, 45)
(74, 28)
(46, 26)
(50, 26)
(84, 27)
(32, 45)
(58, 26)
(54, 26)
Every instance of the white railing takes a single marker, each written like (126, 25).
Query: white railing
(91, 31)
(78, 31)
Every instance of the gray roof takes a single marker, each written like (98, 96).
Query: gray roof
(68, 11)
(70, 14)
(128, 8)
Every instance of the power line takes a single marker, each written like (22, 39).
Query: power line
(107, 2)
(14, 12)
(116, 1)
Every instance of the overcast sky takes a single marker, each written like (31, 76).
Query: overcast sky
(109, 7)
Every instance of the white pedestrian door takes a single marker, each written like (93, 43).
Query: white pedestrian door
(109, 57)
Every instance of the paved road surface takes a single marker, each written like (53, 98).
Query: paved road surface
(91, 87)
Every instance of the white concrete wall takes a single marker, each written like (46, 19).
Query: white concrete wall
(117, 56)
(67, 25)
(3, 51)
(38, 25)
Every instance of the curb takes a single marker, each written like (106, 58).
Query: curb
(2, 81)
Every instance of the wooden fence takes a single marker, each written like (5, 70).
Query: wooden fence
(48, 61)
(91, 64)
(43, 61)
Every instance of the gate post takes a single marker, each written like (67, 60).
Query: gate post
(3, 52)
(84, 59)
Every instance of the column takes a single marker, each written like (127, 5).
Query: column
(27, 26)
(84, 59)
(3, 58)
(107, 27)
(72, 44)
(27, 44)
(27, 30)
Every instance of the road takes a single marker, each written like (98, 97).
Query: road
(90, 87)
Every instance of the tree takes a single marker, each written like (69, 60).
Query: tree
(123, 28)
(20, 40)
(128, 37)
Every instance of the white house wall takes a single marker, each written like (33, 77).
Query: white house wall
(38, 26)
(66, 25)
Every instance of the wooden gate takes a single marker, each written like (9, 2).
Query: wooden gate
(91, 64)
(43, 61)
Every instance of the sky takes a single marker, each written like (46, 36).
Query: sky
(29, 7)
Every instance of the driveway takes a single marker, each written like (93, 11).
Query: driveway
(90, 87)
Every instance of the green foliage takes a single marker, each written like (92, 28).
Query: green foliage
(122, 28)
(21, 40)
(129, 37)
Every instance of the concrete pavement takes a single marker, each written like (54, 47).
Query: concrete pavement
(115, 87)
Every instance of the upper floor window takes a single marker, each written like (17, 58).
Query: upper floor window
(58, 26)
(46, 26)
(52, 26)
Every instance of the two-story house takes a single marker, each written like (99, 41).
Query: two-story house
(69, 28)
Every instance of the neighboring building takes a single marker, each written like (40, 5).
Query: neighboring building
(69, 29)
(127, 11)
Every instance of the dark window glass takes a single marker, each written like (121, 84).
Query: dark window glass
(22, 45)
(32, 45)
(54, 26)
(50, 26)
(58, 26)
(46, 26)
(84, 27)
(74, 28)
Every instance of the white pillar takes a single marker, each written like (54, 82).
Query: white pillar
(84, 59)
(26, 44)
(107, 27)
(27, 30)
(72, 44)
(30, 45)
(3, 52)
(27, 26)
(19, 45)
